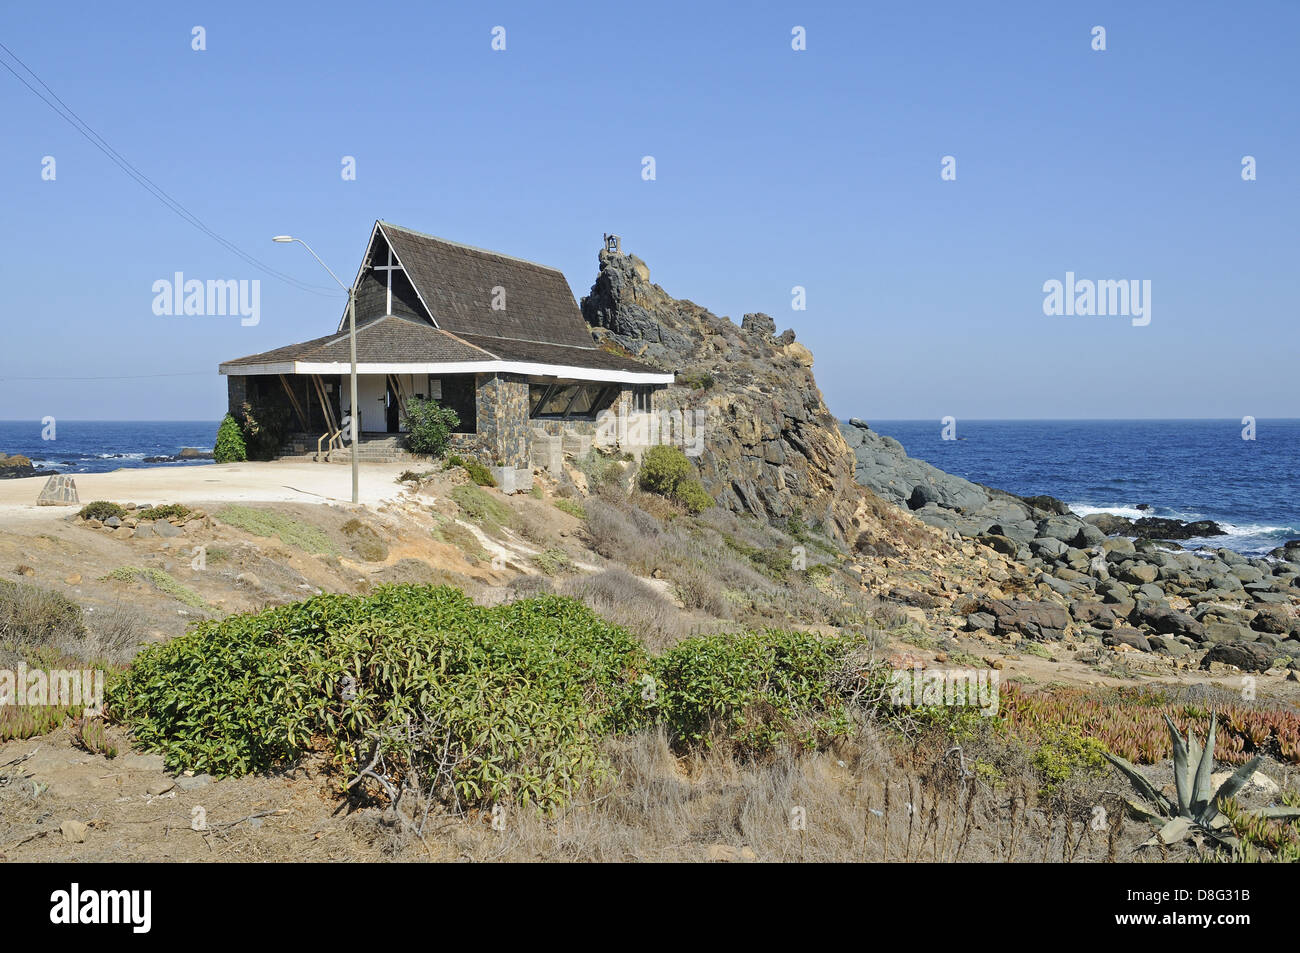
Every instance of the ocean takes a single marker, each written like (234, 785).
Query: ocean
(97, 446)
(1184, 469)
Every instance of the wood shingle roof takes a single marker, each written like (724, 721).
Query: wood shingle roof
(451, 319)
(456, 283)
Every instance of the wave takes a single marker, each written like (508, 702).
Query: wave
(1086, 509)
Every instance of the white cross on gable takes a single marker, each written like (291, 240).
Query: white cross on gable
(390, 268)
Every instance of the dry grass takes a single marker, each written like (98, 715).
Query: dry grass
(855, 803)
(625, 600)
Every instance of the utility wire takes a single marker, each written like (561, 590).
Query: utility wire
(66, 113)
(128, 377)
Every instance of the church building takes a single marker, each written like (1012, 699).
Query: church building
(498, 339)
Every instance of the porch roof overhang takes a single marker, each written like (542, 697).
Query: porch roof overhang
(397, 345)
(525, 368)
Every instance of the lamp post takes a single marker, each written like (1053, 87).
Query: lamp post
(352, 342)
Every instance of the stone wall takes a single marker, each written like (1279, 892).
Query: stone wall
(502, 404)
(236, 394)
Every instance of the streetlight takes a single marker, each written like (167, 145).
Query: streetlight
(352, 341)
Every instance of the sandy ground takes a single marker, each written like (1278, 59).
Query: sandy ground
(274, 482)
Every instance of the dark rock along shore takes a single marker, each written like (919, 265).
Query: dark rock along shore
(1117, 575)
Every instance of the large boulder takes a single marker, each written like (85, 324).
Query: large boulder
(1041, 621)
(1247, 656)
(1161, 618)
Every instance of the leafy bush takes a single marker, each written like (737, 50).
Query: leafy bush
(692, 495)
(428, 424)
(101, 510)
(696, 379)
(519, 696)
(230, 446)
(600, 470)
(758, 689)
(554, 562)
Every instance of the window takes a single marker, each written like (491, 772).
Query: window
(641, 399)
(567, 401)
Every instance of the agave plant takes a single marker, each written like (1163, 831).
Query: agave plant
(1195, 813)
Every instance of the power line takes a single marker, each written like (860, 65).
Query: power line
(128, 377)
(65, 112)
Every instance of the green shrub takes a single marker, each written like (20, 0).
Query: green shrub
(696, 379)
(479, 473)
(554, 561)
(101, 510)
(666, 470)
(692, 495)
(518, 696)
(758, 689)
(600, 470)
(230, 446)
(428, 424)
(264, 427)
(1063, 752)
(662, 468)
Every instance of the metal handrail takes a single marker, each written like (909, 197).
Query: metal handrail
(327, 435)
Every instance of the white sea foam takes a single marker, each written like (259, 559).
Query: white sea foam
(1085, 509)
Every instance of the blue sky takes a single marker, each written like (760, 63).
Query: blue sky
(775, 168)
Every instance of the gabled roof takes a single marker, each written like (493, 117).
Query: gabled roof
(449, 324)
(455, 284)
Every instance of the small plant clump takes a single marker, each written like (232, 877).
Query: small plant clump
(572, 507)
(101, 510)
(163, 581)
(554, 562)
(168, 512)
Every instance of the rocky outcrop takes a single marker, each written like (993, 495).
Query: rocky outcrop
(16, 466)
(772, 447)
